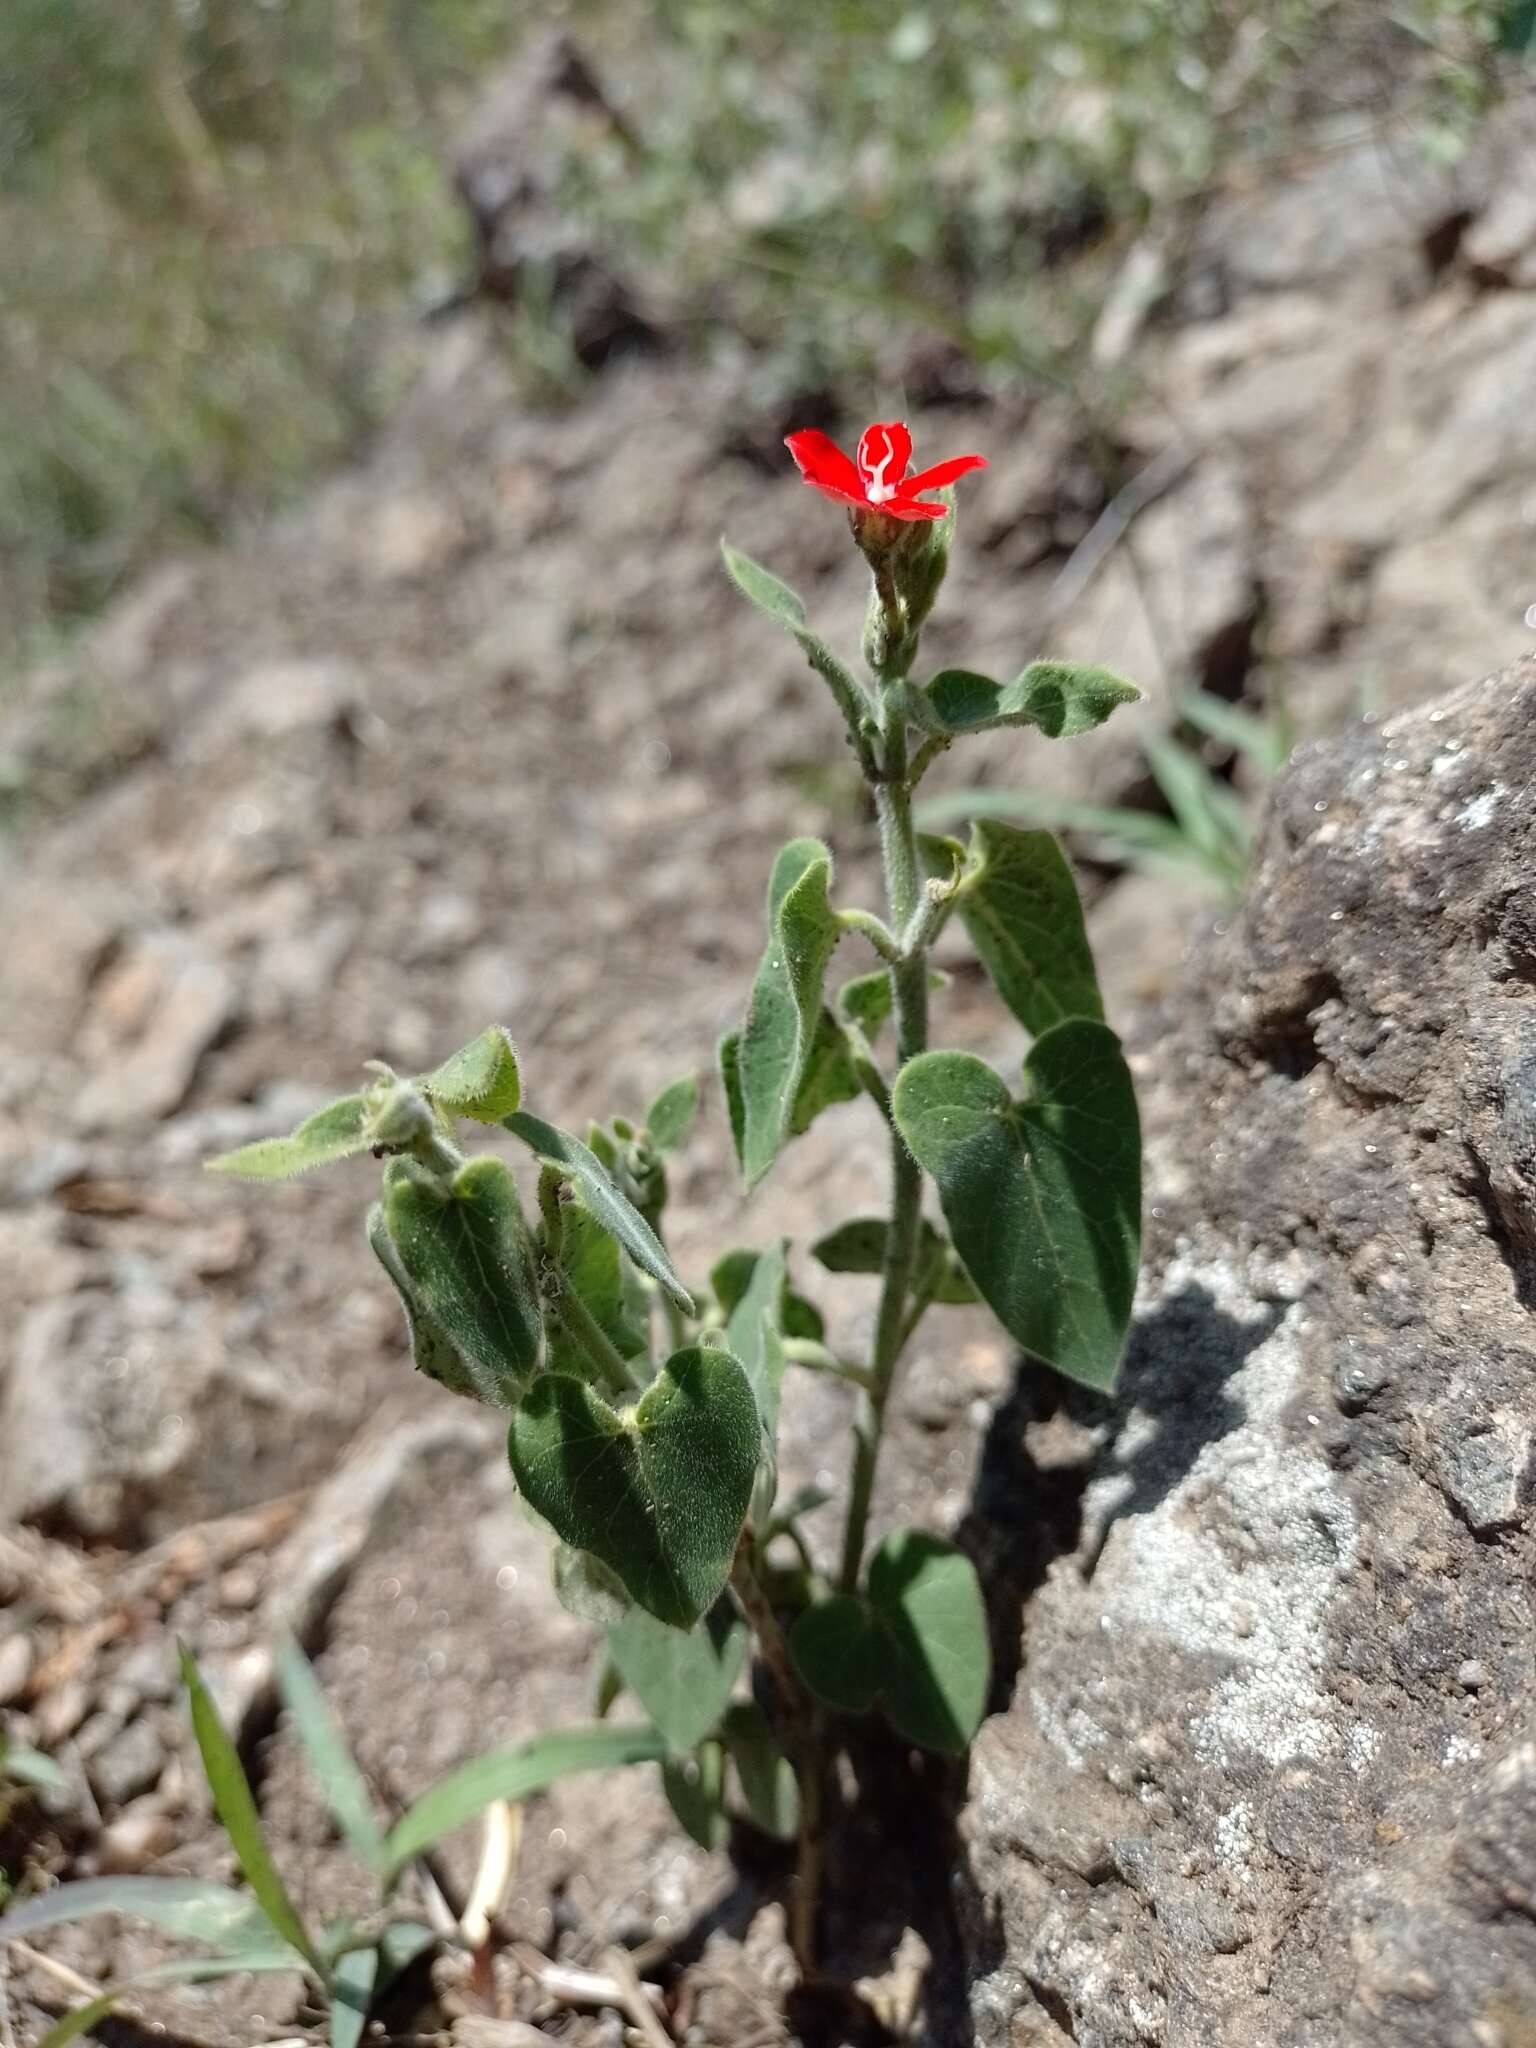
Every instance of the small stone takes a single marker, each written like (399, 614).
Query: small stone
(1472, 1676)
(137, 1836)
(129, 1764)
(15, 1668)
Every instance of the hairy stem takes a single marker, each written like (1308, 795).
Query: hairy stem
(909, 985)
(805, 1747)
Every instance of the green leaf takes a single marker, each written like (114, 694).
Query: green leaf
(918, 1643)
(1265, 741)
(352, 1983)
(695, 1788)
(184, 1906)
(613, 1210)
(481, 1080)
(682, 1677)
(21, 1765)
(659, 1492)
(591, 1268)
(866, 1001)
(184, 1970)
(1059, 698)
(777, 1040)
(435, 1354)
(400, 1944)
(783, 605)
(829, 1075)
(728, 1054)
(334, 1767)
(764, 1774)
(465, 1253)
(1020, 906)
(236, 1809)
(670, 1117)
(585, 1587)
(1043, 1196)
(753, 1334)
(859, 1247)
(339, 1131)
(515, 1774)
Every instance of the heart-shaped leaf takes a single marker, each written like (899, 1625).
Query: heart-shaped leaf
(481, 1080)
(1020, 906)
(682, 1677)
(611, 1208)
(670, 1117)
(658, 1492)
(465, 1254)
(777, 1040)
(339, 1131)
(918, 1643)
(1059, 698)
(1042, 1196)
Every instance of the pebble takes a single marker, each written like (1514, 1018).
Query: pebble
(16, 1661)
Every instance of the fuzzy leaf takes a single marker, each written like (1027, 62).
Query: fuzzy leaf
(585, 1587)
(514, 1774)
(728, 1054)
(658, 1492)
(918, 1643)
(778, 1037)
(592, 1269)
(695, 1788)
(829, 1076)
(339, 1131)
(784, 606)
(612, 1209)
(765, 1775)
(465, 1254)
(866, 1001)
(670, 1117)
(1059, 698)
(682, 1677)
(1042, 1196)
(753, 1334)
(481, 1080)
(1021, 909)
(435, 1354)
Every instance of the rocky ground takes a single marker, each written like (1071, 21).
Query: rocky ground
(481, 733)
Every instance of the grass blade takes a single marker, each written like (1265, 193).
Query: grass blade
(236, 1808)
(193, 1970)
(334, 1767)
(183, 1906)
(351, 1991)
(514, 1774)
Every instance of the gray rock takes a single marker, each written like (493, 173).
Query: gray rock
(1267, 1776)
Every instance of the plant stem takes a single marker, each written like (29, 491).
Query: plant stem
(909, 985)
(584, 1330)
(804, 1746)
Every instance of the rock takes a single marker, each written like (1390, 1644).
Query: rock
(276, 697)
(130, 1763)
(15, 1668)
(134, 1838)
(1266, 1777)
(152, 1017)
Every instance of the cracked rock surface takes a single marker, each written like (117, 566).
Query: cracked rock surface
(1268, 1776)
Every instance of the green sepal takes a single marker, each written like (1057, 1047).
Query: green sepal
(682, 1677)
(467, 1258)
(435, 1355)
(611, 1208)
(778, 1038)
(670, 1117)
(481, 1080)
(658, 1492)
(341, 1130)
(1061, 699)
(1020, 906)
(918, 1643)
(695, 1791)
(1042, 1196)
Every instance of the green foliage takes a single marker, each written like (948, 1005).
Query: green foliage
(859, 1246)
(695, 1789)
(778, 1040)
(1061, 699)
(591, 1266)
(917, 1643)
(670, 1117)
(682, 1677)
(463, 1248)
(763, 1772)
(608, 1205)
(754, 1334)
(1019, 905)
(341, 1130)
(481, 1080)
(658, 1493)
(331, 1761)
(1042, 1195)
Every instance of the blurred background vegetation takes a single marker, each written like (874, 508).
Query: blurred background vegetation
(225, 220)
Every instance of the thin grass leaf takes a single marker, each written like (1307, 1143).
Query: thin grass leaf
(514, 1774)
(1265, 741)
(236, 1808)
(184, 1906)
(334, 1767)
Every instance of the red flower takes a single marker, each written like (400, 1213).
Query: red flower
(878, 481)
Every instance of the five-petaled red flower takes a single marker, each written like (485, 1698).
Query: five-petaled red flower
(878, 481)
